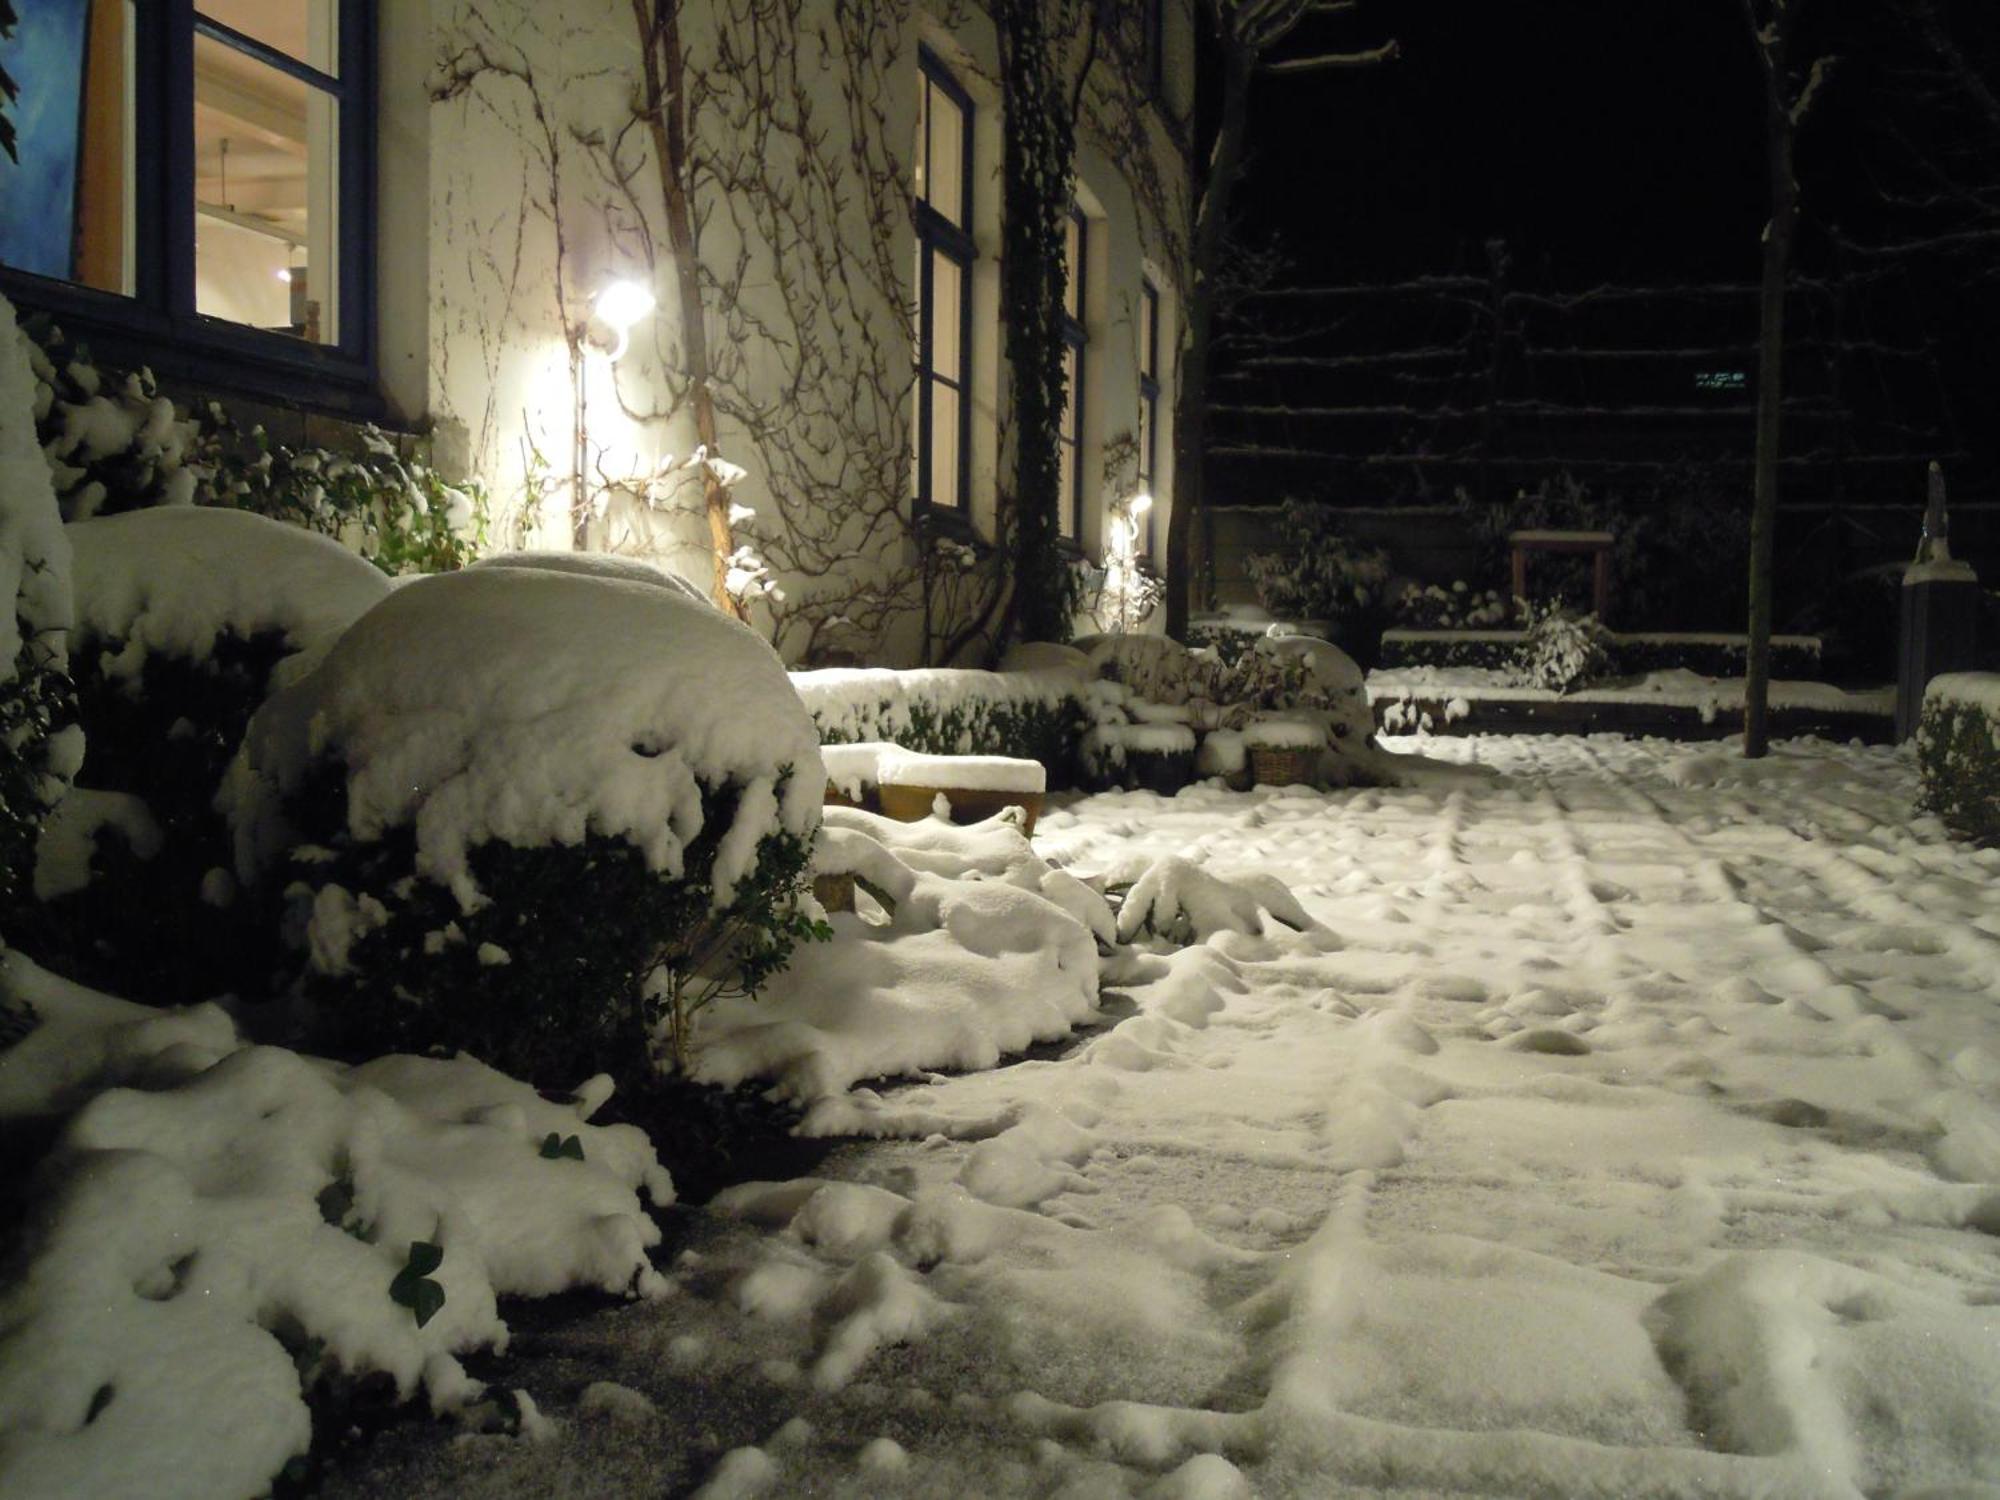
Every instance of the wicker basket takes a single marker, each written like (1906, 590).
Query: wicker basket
(834, 892)
(912, 804)
(1282, 765)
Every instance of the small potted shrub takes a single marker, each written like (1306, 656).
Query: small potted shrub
(1284, 751)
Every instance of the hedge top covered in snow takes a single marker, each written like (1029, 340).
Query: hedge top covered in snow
(534, 707)
(175, 578)
(1974, 689)
(876, 703)
(34, 557)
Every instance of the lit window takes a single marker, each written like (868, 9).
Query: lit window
(1076, 246)
(208, 159)
(945, 254)
(1149, 401)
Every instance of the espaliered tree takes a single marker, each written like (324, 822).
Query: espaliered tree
(1788, 96)
(663, 104)
(1247, 33)
(1043, 68)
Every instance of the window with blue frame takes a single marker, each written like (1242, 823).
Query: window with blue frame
(1149, 401)
(945, 254)
(198, 172)
(1076, 246)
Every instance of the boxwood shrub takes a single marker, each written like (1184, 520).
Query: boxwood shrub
(172, 928)
(568, 966)
(1958, 753)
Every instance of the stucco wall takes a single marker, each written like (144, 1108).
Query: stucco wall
(541, 186)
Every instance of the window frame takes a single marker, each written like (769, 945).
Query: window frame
(940, 236)
(1076, 341)
(1149, 399)
(156, 324)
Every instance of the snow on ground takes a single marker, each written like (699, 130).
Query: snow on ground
(1675, 686)
(1627, 1124)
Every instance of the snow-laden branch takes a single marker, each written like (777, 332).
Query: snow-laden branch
(1327, 62)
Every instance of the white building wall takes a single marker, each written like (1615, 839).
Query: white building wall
(539, 187)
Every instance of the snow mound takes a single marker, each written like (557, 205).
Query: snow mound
(533, 706)
(986, 952)
(173, 579)
(1182, 902)
(198, 1244)
(597, 565)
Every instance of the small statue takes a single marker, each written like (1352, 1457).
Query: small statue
(1935, 544)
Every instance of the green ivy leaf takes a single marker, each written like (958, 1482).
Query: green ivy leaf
(412, 1286)
(561, 1147)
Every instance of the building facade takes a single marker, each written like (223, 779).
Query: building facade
(570, 242)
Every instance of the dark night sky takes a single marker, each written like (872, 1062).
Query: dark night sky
(1603, 139)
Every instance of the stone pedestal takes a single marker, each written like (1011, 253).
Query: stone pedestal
(1940, 633)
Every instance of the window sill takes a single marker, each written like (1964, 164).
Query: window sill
(202, 354)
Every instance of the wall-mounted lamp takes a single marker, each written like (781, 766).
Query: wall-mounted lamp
(1123, 579)
(618, 307)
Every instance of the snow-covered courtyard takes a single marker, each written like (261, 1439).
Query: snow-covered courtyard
(1628, 1125)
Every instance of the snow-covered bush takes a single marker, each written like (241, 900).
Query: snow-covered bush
(1031, 715)
(1958, 753)
(224, 1233)
(38, 748)
(116, 444)
(184, 614)
(1460, 607)
(536, 815)
(395, 511)
(1317, 573)
(1559, 650)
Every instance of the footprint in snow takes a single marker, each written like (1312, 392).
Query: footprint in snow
(1549, 1041)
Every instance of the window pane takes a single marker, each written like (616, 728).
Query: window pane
(265, 195)
(303, 29)
(1073, 400)
(947, 290)
(1149, 330)
(944, 445)
(1065, 489)
(1073, 267)
(1146, 444)
(65, 206)
(944, 151)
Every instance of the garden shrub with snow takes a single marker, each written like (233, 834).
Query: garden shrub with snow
(1560, 650)
(223, 1231)
(116, 444)
(40, 747)
(1032, 715)
(1958, 753)
(184, 616)
(535, 814)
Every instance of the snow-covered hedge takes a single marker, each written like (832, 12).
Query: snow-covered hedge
(38, 749)
(1035, 715)
(223, 1231)
(1958, 752)
(507, 797)
(1793, 657)
(184, 615)
(114, 444)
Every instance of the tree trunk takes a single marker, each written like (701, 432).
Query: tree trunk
(1191, 400)
(1778, 132)
(666, 118)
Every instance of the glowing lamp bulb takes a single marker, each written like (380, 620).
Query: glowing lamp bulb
(619, 306)
(1138, 505)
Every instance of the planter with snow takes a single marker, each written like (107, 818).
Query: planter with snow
(851, 777)
(1282, 751)
(1159, 757)
(974, 787)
